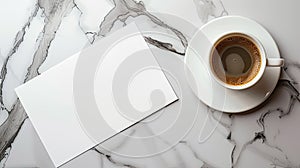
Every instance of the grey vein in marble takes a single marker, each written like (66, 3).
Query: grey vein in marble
(128, 8)
(162, 45)
(260, 135)
(208, 8)
(54, 11)
(17, 42)
(110, 159)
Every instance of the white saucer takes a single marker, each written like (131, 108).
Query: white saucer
(203, 84)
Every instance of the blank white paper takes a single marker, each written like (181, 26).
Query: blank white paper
(63, 129)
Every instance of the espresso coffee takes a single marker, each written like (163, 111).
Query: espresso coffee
(236, 59)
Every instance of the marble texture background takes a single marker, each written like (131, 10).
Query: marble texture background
(36, 35)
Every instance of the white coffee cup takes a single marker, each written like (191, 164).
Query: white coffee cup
(227, 66)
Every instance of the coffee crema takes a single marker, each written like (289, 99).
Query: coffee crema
(235, 59)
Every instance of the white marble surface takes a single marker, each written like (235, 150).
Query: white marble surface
(35, 35)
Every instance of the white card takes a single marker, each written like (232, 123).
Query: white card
(95, 94)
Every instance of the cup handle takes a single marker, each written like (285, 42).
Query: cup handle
(275, 62)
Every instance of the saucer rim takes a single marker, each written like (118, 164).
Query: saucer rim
(275, 70)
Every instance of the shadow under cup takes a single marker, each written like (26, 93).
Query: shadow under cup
(235, 59)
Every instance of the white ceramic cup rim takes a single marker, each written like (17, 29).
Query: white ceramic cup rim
(258, 75)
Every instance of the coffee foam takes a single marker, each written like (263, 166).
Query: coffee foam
(240, 40)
